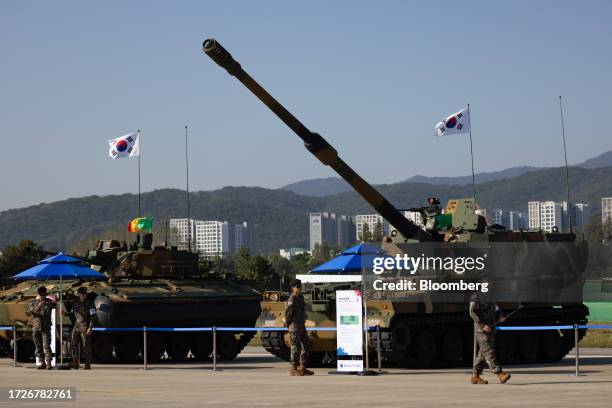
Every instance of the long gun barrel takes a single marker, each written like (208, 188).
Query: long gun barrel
(316, 144)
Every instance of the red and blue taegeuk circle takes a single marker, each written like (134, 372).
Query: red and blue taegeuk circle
(451, 122)
(121, 146)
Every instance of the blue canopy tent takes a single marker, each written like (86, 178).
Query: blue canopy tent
(60, 266)
(352, 259)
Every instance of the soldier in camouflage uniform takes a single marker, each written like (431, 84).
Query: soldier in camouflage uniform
(295, 319)
(40, 310)
(484, 315)
(80, 342)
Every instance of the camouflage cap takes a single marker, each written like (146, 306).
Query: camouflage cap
(82, 290)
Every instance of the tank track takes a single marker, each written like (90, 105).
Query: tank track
(428, 341)
(274, 343)
(243, 340)
(511, 346)
(451, 336)
(5, 348)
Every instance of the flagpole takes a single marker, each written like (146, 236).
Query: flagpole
(187, 182)
(472, 154)
(138, 173)
(569, 210)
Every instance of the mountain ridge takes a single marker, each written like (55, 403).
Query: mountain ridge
(321, 187)
(281, 216)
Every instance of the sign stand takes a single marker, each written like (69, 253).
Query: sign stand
(53, 337)
(366, 370)
(349, 332)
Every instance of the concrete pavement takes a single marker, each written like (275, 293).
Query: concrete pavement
(258, 379)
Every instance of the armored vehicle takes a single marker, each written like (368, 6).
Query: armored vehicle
(421, 330)
(150, 286)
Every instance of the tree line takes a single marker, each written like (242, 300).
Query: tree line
(26, 253)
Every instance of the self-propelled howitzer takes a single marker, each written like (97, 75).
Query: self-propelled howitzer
(418, 330)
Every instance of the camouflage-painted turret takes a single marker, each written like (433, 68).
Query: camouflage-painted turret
(151, 286)
(421, 333)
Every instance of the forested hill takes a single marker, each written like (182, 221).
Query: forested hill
(282, 216)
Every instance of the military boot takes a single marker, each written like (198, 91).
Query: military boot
(87, 366)
(75, 366)
(293, 370)
(477, 380)
(503, 377)
(42, 366)
(305, 370)
(48, 364)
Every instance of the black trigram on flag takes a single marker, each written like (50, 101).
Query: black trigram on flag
(454, 124)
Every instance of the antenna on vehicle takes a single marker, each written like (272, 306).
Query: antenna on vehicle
(187, 182)
(569, 210)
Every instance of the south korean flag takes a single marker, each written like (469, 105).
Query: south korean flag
(455, 124)
(124, 146)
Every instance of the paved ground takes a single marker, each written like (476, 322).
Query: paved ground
(257, 379)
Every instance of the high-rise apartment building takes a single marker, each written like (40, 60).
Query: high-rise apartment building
(332, 229)
(606, 210)
(580, 216)
(545, 215)
(371, 220)
(242, 235)
(415, 217)
(213, 238)
(494, 216)
(210, 238)
(517, 221)
(181, 232)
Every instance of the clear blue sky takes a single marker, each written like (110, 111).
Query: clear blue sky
(372, 77)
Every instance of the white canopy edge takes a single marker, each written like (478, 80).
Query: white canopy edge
(323, 278)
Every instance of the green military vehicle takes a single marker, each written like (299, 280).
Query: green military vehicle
(151, 286)
(421, 330)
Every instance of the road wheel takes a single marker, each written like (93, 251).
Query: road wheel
(504, 346)
(227, 346)
(452, 346)
(177, 346)
(155, 347)
(528, 345)
(128, 347)
(102, 348)
(201, 346)
(425, 347)
(401, 336)
(551, 345)
(25, 350)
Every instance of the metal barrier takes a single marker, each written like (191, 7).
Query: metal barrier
(375, 329)
(575, 327)
(212, 329)
(14, 328)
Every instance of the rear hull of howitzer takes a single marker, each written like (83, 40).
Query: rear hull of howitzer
(413, 337)
(122, 304)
